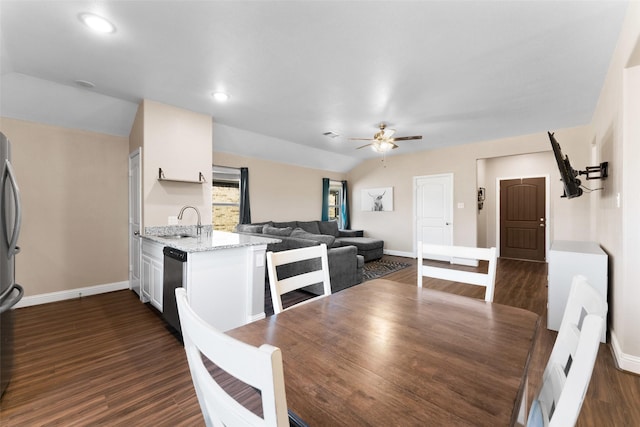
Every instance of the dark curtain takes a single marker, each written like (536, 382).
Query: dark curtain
(344, 207)
(325, 199)
(245, 208)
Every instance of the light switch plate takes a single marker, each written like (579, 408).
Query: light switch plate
(460, 205)
(173, 220)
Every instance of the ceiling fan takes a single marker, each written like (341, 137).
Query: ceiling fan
(383, 140)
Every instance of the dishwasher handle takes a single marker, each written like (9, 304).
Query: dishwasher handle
(174, 253)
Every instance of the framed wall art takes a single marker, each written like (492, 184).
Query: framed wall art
(377, 199)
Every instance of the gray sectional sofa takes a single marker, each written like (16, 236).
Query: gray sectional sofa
(346, 264)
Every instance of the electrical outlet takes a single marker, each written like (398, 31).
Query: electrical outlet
(173, 220)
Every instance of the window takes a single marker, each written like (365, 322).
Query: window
(225, 203)
(335, 201)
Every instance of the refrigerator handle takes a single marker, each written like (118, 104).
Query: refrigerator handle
(17, 222)
(6, 305)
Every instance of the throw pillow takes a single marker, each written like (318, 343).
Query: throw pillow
(248, 228)
(329, 227)
(322, 238)
(275, 231)
(310, 226)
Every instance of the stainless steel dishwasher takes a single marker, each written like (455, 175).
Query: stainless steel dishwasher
(174, 277)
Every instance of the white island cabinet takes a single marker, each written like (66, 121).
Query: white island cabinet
(224, 275)
(568, 259)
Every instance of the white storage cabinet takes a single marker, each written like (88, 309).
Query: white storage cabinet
(568, 259)
(152, 273)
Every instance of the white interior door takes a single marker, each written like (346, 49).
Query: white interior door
(135, 215)
(434, 209)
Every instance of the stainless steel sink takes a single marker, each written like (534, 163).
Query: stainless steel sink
(176, 236)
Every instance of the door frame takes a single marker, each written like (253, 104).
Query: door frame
(547, 189)
(137, 152)
(448, 175)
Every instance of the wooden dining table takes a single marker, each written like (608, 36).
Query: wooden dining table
(390, 354)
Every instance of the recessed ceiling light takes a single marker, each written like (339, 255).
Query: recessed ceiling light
(220, 96)
(97, 23)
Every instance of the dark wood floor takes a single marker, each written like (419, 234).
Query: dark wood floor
(110, 360)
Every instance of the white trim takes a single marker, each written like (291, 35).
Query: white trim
(399, 253)
(71, 294)
(626, 362)
(254, 317)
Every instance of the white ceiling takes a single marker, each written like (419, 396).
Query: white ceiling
(452, 71)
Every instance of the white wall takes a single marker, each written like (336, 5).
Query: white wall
(617, 133)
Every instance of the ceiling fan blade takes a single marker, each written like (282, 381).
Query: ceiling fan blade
(360, 139)
(362, 146)
(406, 138)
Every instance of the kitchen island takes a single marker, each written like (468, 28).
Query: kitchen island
(223, 274)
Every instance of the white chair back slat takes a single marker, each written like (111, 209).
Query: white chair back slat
(260, 368)
(282, 286)
(455, 253)
(568, 372)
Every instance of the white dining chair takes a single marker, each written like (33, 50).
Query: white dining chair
(452, 253)
(259, 367)
(282, 285)
(568, 372)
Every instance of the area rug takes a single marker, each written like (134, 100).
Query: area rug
(380, 267)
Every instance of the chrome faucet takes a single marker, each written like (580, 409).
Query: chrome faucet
(199, 226)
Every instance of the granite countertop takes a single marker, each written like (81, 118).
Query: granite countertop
(209, 240)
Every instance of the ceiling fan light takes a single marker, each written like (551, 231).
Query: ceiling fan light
(385, 146)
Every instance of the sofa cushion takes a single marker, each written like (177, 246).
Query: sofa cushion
(329, 227)
(249, 228)
(292, 224)
(310, 226)
(363, 243)
(321, 238)
(276, 231)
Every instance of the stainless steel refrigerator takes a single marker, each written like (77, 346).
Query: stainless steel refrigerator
(10, 291)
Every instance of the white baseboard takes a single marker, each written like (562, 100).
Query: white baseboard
(399, 253)
(625, 362)
(255, 317)
(71, 294)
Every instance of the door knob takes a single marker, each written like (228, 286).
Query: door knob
(136, 233)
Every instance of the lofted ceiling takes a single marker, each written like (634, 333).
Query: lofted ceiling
(452, 71)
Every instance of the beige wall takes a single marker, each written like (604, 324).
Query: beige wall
(617, 130)
(73, 185)
(568, 219)
(397, 227)
(278, 191)
(179, 142)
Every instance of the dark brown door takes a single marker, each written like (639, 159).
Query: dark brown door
(522, 219)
